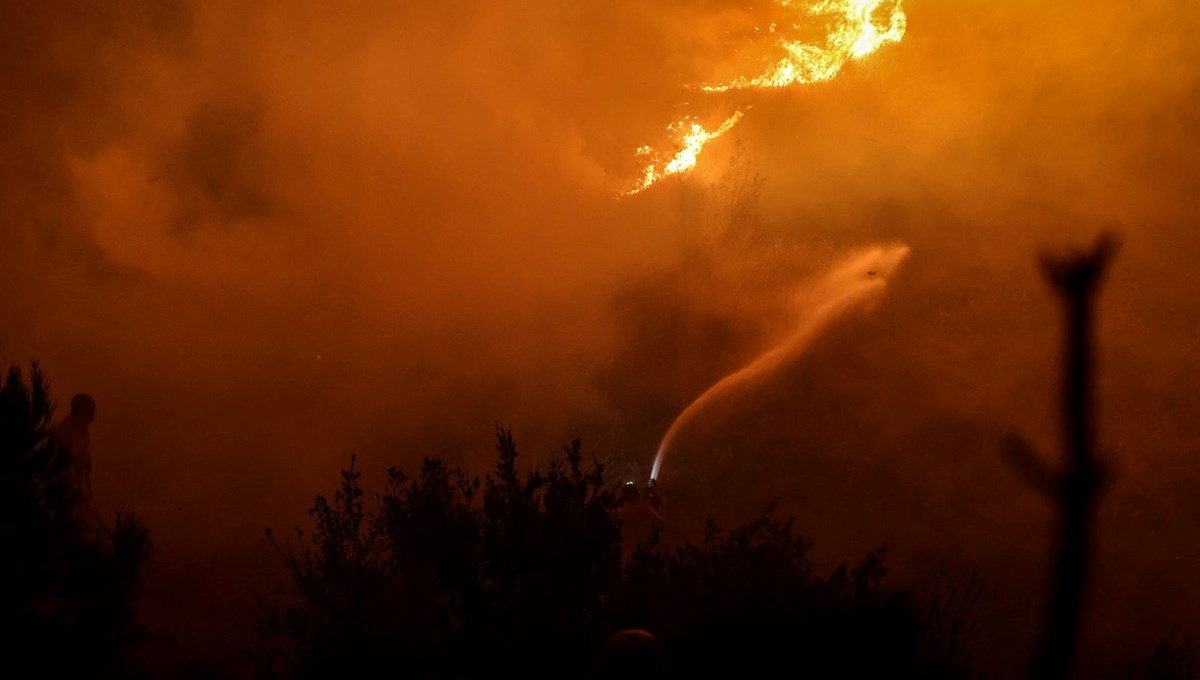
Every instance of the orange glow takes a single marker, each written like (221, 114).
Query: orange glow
(853, 284)
(689, 137)
(853, 29)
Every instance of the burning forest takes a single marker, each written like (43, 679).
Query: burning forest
(837, 338)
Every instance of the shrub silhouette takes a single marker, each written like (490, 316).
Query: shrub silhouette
(68, 598)
(451, 575)
(1174, 658)
(749, 600)
(519, 573)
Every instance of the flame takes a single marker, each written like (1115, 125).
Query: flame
(690, 138)
(853, 29)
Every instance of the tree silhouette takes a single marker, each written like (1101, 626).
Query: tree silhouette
(1075, 278)
(450, 576)
(518, 573)
(1174, 658)
(68, 598)
(748, 600)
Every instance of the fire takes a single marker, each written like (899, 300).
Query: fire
(690, 138)
(853, 29)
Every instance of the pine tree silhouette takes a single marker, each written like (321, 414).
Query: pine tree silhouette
(68, 598)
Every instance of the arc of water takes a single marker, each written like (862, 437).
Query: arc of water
(847, 287)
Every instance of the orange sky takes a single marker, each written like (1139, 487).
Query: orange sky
(268, 235)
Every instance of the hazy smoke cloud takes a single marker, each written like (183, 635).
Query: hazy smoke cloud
(265, 236)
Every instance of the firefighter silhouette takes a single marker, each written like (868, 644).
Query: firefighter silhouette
(638, 514)
(72, 483)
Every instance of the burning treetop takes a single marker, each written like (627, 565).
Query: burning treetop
(852, 30)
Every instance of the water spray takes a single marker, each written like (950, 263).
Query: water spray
(848, 287)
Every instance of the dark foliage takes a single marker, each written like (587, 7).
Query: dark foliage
(519, 574)
(450, 576)
(950, 622)
(748, 600)
(1174, 658)
(68, 597)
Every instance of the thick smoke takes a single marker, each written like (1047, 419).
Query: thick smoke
(267, 235)
(851, 285)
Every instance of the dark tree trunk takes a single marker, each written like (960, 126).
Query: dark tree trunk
(1076, 279)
